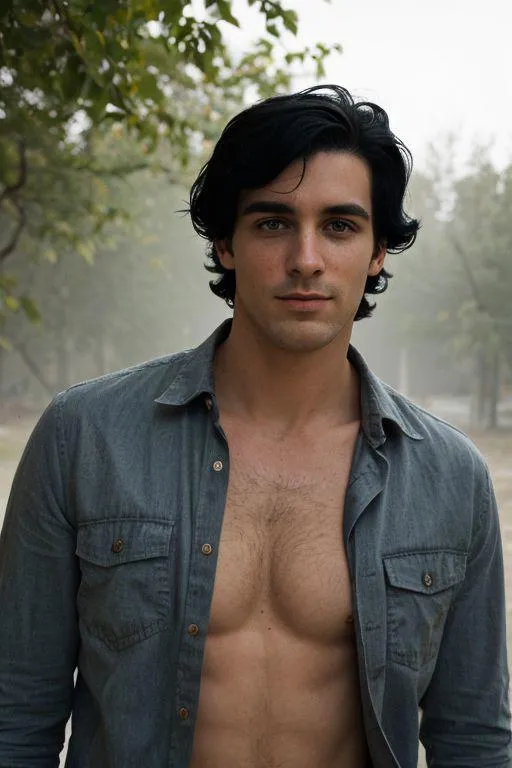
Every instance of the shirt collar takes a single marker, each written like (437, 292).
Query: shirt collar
(194, 370)
(380, 405)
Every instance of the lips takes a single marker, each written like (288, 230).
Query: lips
(304, 302)
(304, 297)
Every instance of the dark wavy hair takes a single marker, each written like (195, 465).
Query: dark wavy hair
(263, 140)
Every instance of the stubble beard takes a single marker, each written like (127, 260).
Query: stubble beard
(301, 336)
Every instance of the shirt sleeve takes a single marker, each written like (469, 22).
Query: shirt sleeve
(466, 715)
(38, 619)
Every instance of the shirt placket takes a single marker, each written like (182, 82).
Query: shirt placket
(203, 562)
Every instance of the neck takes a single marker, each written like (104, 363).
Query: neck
(286, 391)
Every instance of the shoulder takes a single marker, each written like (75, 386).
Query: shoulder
(118, 401)
(143, 382)
(440, 471)
(439, 443)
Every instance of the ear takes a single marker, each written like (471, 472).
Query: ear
(377, 262)
(225, 253)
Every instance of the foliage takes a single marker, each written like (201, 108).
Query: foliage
(73, 70)
(124, 59)
(146, 295)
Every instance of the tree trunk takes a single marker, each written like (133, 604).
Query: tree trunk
(34, 368)
(2, 372)
(493, 379)
(478, 399)
(404, 371)
(100, 354)
(63, 378)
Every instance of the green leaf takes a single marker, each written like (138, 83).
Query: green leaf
(7, 283)
(50, 254)
(273, 30)
(297, 56)
(63, 228)
(320, 69)
(12, 303)
(224, 7)
(148, 88)
(30, 309)
(291, 21)
(86, 250)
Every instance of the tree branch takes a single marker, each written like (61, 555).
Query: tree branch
(475, 291)
(9, 193)
(11, 245)
(22, 174)
(125, 170)
(64, 17)
(33, 368)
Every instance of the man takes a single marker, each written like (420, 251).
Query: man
(255, 553)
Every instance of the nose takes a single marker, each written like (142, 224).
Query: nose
(305, 258)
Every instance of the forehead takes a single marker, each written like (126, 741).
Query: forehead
(326, 179)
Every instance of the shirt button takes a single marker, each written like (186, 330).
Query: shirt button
(427, 579)
(193, 629)
(207, 549)
(117, 546)
(183, 713)
(217, 466)
(209, 403)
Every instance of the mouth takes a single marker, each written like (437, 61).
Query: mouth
(308, 302)
(304, 297)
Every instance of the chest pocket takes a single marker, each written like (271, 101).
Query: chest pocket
(420, 587)
(124, 595)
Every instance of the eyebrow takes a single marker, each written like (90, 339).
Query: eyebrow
(343, 209)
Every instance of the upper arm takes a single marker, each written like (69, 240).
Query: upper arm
(38, 582)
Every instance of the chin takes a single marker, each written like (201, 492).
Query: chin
(304, 339)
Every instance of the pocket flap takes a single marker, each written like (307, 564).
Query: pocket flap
(113, 542)
(425, 572)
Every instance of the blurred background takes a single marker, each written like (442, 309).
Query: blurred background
(108, 110)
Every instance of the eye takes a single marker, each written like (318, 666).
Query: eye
(271, 225)
(340, 226)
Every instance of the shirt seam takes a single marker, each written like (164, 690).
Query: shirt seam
(63, 458)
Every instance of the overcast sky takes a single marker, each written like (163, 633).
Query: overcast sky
(436, 66)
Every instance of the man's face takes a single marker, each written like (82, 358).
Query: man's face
(302, 253)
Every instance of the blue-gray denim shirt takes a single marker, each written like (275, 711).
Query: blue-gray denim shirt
(107, 565)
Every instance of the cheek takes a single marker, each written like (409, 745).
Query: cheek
(257, 263)
(255, 277)
(351, 264)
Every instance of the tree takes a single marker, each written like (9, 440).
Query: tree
(449, 302)
(481, 238)
(146, 295)
(73, 69)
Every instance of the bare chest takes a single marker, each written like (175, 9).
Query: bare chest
(281, 556)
